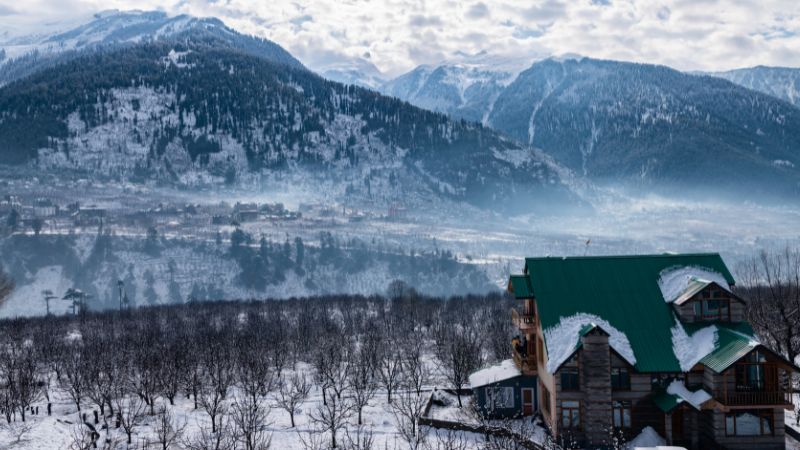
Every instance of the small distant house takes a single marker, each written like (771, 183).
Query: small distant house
(44, 207)
(89, 216)
(624, 343)
(502, 391)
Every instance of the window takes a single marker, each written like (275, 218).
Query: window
(570, 379)
(499, 397)
(621, 413)
(620, 379)
(712, 305)
(570, 414)
(749, 423)
(750, 372)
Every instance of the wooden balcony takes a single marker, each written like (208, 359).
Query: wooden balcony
(754, 398)
(527, 364)
(526, 323)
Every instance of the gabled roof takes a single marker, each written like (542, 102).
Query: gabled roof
(494, 374)
(734, 342)
(679, 283)
(622, 290)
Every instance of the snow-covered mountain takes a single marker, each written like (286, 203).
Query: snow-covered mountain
(617, 121)
(191, 112)
(24, 55)
(780, 82)
(464, 87)
(359, 73)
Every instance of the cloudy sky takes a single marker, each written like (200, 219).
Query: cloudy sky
(397, 35)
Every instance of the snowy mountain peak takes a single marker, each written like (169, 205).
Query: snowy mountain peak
(107, 30)
(359, 72)
(780, 82)
(465, 85)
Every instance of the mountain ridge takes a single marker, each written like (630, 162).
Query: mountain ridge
(192, 113)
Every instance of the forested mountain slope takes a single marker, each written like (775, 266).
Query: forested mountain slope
(189, 112)
(612, 120)
(646, 124)
(779, 82)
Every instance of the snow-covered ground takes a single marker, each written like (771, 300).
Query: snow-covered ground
(27, 299)
(57, 432)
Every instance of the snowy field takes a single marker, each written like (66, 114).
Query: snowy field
(62, 430)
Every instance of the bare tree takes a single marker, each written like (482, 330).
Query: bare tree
(390, 365)
(771, 282)
(440, 439)
(205, 439)
(74, 381)
(313, 438)
(130, 410)
(249, 416)
(407, 409)
(415, 373)
(292, 391)
(168, 429)
(26, 385)
(459, 352)
(361, 382)
(218, 376)
(332, 417)
(362, 438)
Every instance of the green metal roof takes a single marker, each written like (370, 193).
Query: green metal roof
(666, 402)
(520, 285)
(622, 290)
(733, 342)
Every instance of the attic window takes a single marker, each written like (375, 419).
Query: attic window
(715, 309)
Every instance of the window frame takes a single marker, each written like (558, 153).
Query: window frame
(621, 406)
(617, 386)
(493, 394)
(574, 415)
(568, 387)
(702, 311)
(760, 413)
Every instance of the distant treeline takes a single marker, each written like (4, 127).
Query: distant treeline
(321, 266)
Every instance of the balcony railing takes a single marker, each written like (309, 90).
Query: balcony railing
(754, 398)
(523, 321)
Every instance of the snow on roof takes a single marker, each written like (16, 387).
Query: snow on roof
(674, 280)
(648, 438)
(563, 338)
(499, 372)
(695, 398)
(689, 350)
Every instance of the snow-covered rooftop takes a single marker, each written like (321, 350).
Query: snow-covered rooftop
(695, 398)
(499, 372)
(562, 339)
(689, 350)
(675, 280)
(647, 439)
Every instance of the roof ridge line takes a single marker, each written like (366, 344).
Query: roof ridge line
(641, 255)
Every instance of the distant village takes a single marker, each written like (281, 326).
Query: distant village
(41, 214)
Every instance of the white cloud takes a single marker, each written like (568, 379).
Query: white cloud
(400, 34)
